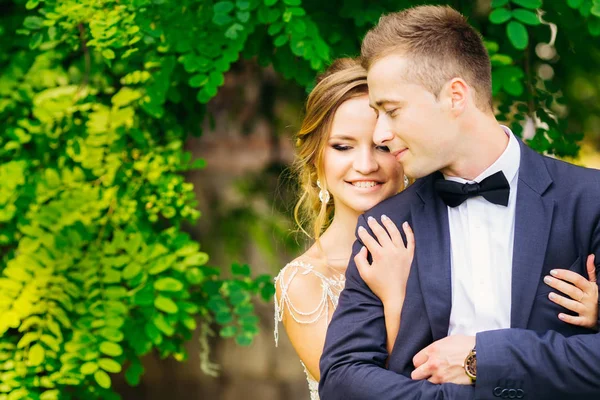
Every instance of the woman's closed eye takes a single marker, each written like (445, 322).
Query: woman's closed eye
(384, 149)
(341, 147)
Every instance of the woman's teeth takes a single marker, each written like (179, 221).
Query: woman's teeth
(363, 184)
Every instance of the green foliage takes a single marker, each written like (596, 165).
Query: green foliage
(97, 98)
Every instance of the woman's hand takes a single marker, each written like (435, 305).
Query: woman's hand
(388, 273)
(583, 294)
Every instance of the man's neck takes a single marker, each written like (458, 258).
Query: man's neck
(481, 148)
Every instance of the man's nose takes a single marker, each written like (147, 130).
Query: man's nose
(382, 132)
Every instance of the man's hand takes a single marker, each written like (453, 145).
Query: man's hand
(442, 361)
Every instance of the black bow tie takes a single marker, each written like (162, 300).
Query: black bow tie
(494, 188)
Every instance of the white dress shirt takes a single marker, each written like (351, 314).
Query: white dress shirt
(482, 236)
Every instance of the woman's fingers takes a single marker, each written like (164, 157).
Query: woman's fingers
(559, 284)
(569, 304)
(570, 276)
(362, 264)
(380, 233)
(572, 319)
(392, 230)
(368, 240)
(410, 237)
(591, 267)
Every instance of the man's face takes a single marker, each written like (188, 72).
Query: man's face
(420, 130)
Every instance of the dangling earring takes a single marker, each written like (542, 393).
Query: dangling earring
(406, 182)
(323, 193)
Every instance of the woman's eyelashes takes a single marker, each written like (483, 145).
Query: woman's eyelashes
(345, 147)
(341, 147)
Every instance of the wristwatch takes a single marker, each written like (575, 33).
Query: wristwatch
(470, 365)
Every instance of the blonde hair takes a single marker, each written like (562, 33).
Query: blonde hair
(343, 80)
(441, 45)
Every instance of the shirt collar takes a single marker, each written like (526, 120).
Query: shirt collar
(508, 162)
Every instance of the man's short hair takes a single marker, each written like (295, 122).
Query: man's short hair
(441, 44)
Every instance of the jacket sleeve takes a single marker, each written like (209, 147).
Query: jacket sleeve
(353, 362)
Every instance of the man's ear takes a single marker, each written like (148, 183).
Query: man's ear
(456, 94)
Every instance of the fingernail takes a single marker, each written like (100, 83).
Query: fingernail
(547, 280)
(361, 229)
(363, 248)
(551, 296)
(405, 224)
(553, 272)
(561, 316)
(371, 219)
(385, 217)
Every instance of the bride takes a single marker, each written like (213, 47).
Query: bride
(342, 174)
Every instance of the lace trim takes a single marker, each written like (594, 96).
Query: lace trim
(332, 286)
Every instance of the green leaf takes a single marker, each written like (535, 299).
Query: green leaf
(517, 34)
(292, 2)
(102, 379)
(228, 331)
(131, 271)
(134, 373)
(36, 40)
(574, 3)
(109, 365)
(168, 284)
(596, 9)
(594, 26)
(112, 334)
(125, 96)
(270, 3)
(27, 339)
(242, 5)
(111, 349)
(532, 4)
(194, 276)
(243, 340)
(89, 368)
(526, 16)
(222, 19)
(243, 16)
(238, 269)
(31, 4)
(501, 59)
(37, 354)
(33, 22)
(163, 325)
(232, 31)
(223, 318)
(198, 80)
(109, 54)
(165, 304)
(500, 16)
(223, 7)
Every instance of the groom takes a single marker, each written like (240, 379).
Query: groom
(491, 219)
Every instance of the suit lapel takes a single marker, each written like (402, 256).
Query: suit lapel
(533, 219)
(432, 236)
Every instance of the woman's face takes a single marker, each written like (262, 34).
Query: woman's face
(359, 174)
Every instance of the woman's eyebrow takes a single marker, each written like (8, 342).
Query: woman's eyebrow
(341, 137)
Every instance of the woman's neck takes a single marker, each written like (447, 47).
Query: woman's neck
(337, 240)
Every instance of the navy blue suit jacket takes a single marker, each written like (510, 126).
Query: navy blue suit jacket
(557, 224)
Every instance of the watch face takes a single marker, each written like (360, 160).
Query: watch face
(471, 364)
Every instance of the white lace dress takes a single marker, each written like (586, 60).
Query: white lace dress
(331, 288)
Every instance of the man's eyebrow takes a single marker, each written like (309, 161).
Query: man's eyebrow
(381, 103)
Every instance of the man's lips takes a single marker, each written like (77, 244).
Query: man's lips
(398, 154)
